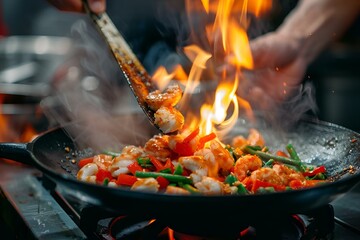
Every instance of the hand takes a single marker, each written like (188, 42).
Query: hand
(279, 66)
(97, 6)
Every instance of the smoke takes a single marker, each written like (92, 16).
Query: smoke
(92, 100)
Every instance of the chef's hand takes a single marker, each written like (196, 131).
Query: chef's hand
(97, 6)
(281, 57)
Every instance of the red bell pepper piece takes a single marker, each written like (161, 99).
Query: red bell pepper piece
(296, 184)
(157, 164)
(191, 136)
(168, 165)
(85, 161)
(163, 182)
(126, 180)
(320, 169)
(183, 149)
(282, 154)
(102, 174)
(134, 167)
(206, 139)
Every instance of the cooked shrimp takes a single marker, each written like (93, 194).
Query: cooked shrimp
(255, 138)
(211, 162)
(103, 161)
(169, 98)
(246, 164)
(176, 190)
(266, 175)
(239, 141)
(197, 165)
(88, 173)
(223, 156)
(158, 146)
(210, 185)
(128, 155)
(287, 174)
(169, 119)
(146, 185)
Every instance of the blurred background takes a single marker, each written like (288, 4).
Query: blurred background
(41, 46)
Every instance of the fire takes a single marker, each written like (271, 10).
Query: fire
(227, 36)
(11, 133)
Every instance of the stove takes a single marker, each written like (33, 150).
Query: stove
(33, 207)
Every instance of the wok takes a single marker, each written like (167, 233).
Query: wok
(317, 142)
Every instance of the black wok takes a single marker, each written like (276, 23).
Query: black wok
(318, 143)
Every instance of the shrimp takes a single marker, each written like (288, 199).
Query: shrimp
(128, 156)
(211, 162)
(223, 156)
(255, 138)
(88, 173)
(246, 164)
(287, 174)
(239, 141)
(169, 98)
(176, 190)
(103, 161)
(158, 146)
(266, 175)
(197, 165)
(169, 119)
(146, 185)
(210, 185)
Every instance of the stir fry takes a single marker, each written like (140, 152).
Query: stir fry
(193, 164)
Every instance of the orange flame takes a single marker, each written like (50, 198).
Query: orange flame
(229, 30)
(11, 133)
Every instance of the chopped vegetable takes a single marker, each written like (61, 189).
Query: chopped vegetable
(320, 169)
(126, 180)
(178, 170)
(102, 174)
(293, 154)
(206, 139)
(163, 182)
(134, 167)
(269, 156)
(178, 161)
(170, 177)
(85, 161)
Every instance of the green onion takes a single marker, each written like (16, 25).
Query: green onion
(170, 177)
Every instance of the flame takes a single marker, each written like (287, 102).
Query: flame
(11, 133)
(227, 35)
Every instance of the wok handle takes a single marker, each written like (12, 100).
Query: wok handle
(16, 151)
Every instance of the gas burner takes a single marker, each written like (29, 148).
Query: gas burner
(318, 225)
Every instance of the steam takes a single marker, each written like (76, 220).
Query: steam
(92, 100)
(94, 103)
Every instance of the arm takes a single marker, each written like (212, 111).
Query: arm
(97, 6)
(281, 57)
(316, 23)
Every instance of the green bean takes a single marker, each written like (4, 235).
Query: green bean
(170, 177)
(291, 150)
(269, 156)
